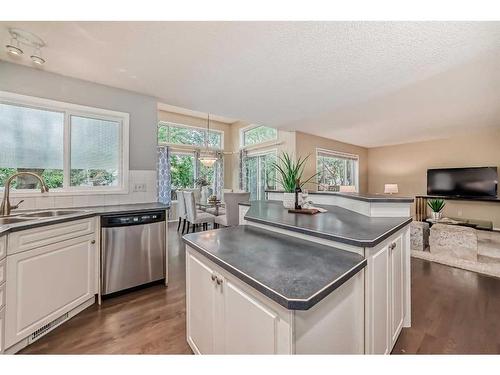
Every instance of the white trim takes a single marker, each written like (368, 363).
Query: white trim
(337, 153)
(195, 147)
(70, 109)
(253, 126)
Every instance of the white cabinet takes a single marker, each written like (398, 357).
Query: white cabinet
(377, 301)
(46, 282)
(226, 316)
(385, 296)
(397, 288)
(200, 300)
(223, 317)
(2, 328)
(249, 326)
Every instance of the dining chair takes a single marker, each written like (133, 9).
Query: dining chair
(195, 217)
(181, 210)
(232, 216)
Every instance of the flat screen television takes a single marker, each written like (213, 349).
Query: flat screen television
(463, 182)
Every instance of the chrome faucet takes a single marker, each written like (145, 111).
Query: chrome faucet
(5, 208)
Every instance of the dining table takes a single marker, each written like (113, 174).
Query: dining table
(205, 205)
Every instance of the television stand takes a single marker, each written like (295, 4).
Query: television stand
(471, 223)
(421, 203)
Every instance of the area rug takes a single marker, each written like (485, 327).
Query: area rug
(490, 269)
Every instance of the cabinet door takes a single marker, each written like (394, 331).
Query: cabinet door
(45, 283)
(397, 288)
(2, 329)
(200, 300)
(378, 302)
(249, 326)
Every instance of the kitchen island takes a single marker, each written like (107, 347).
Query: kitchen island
(285, 283)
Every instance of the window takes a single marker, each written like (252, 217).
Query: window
(260, 175)
(257, 134)
(336, 169)
(190, 136)
(182, 170)
(74, 148)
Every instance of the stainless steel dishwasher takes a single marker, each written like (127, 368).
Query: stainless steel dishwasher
(132, 250)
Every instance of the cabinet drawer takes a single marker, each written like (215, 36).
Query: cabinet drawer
(3, 246)
(46, 235)
(3, 273)
(2, 296)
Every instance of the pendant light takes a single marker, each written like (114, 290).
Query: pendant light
(207, 158)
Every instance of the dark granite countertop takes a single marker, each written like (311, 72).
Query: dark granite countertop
(83, 212)
(365, 197)
(295, 273)
(338, 224)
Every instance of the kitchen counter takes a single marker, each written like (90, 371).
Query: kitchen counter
(293, 272)
(337, 224)
(365, 197)
(83, 213)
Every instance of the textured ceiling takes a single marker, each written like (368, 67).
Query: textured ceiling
(367, 83)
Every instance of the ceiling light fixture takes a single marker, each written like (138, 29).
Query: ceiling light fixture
(14, 49)
(207, 158)
(37, 58)
(20, 38)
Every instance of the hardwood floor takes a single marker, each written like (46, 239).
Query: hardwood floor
(453, 311)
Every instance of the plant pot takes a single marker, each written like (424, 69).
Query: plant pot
(289, 200)
(437, 215)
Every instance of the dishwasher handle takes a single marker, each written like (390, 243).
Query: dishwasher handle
(132, 219)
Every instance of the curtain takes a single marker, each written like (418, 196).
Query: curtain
(242, 169)
(196, 166)
(219, 175)
(164, 184)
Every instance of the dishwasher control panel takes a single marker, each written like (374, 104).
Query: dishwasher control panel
(132, 219)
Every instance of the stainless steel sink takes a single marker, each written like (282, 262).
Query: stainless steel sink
(51, 213)
(12, 220)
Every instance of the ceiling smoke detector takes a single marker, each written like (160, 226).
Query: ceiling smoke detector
(21, 38)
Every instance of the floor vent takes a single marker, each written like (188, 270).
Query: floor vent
(46, 328)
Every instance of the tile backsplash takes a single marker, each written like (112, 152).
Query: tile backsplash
(136, 177)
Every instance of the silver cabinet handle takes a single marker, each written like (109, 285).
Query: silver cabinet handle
(392, 246)
(219, 281)
(92, 242)
(213, 277)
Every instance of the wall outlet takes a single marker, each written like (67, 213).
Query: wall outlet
(140, 187)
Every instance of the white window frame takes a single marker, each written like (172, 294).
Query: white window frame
(340, 154)
(70, 109)
(273, 151)
(192, 147)
(261, 144)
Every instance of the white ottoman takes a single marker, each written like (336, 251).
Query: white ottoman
(453, 241)
(419, 235)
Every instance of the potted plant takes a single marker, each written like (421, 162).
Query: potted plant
(289, 175)
(436, 205)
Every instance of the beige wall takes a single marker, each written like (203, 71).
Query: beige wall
(407, 166)
(306, 144)
(182, 119)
